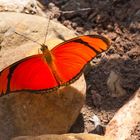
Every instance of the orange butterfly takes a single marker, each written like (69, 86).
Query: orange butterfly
(53, 68)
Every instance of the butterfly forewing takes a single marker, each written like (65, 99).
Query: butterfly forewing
(73, 55)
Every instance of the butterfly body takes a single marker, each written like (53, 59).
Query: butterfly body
(53, 68)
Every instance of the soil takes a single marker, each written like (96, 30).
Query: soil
(120, 21)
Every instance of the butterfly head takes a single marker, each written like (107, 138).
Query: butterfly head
(46, 53)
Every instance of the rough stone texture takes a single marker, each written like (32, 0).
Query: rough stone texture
(33, 114)
(79, 136)
(24, 113)
(125, 120)
(28, 6)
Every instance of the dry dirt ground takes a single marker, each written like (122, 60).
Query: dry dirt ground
(120, 21)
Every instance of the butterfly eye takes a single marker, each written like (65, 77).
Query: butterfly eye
(44, 48)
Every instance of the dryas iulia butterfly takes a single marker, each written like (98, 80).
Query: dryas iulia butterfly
(52, 69)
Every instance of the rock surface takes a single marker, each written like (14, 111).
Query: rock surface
(28, 6)
(125, 120)
(34, 114)
(65, 137)
(24, 113)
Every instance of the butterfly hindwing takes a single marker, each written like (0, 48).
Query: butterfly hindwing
(31, 73)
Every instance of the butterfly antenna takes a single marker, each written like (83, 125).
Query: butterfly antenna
(47, 29)
(27, 38)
